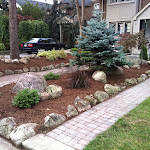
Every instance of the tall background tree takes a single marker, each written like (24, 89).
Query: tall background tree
(13, 29)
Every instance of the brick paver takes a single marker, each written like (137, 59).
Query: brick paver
(80, 130)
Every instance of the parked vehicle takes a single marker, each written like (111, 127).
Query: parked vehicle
(36, 44)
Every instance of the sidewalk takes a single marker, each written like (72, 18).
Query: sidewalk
(79, 131)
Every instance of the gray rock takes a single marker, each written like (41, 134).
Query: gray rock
(15, 61)
(9, 61)
(101, 96)
(9, 72)
(117, 70)
(91, 99)
(18, 71)
(6, 126)
(38, 69)
(43, 68)
(32, 56)
(23, 60)
(126, 66)
(1, 74)
(31, 81)
(2, 57)
(100, 76)
(143, 76)
(22, 133)
(136, 67)
(57, 66)
(53, 120)
(147, 73)
(54, 91)
(144, 62)
(72, 111)
(25, 69)
(50, 67)
(139, 79)
(81, 105)
(44, 96)
(32, 69)
(112, 90)
(148, 62)
(131, 81)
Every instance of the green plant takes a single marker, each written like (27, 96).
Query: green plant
(78, 79)
(2, 47)
(26, 98)
(99, 40)
(143, 53)
(51, 76)
(74, 49)
(53, 55)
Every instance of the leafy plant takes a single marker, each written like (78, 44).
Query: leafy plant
(143, 53)
(53, 55)
(74, 49)
(2, 47)
(51, 76)
(78, 79)
(26, 98)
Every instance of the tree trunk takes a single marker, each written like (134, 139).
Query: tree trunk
(13, 30)
(78, 14)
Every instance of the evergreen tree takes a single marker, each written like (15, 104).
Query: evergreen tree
(98, 44)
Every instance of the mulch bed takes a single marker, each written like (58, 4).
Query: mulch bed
(43, 61)
(37, 113)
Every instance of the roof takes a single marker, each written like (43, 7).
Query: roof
(41, 4)
(141, 11)
(69, 2)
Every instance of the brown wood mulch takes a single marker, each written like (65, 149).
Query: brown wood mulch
(37, 113)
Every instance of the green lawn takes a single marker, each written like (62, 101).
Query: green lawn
(131, 132)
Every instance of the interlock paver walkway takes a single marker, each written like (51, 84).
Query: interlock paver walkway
(79, 131)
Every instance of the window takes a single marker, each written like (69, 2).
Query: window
(117, 1)
(127, 27)
(97, 6)
(120, 28)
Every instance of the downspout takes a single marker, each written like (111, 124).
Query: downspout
(102, 8)
(140, 5)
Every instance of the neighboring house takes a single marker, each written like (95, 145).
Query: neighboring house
(90, 6)
(141, 21)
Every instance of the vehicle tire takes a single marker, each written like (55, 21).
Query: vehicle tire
(29, 52)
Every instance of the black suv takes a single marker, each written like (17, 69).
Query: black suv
(36, 44)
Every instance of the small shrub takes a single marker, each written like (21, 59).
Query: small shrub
(78, 79)
(51, 76)
(74, 49)
(2, 47)
(26, 98)
(143, 53)
(53, 55)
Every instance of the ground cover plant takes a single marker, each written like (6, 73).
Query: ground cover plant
(130, 132)
(37, 113)
(51, 76)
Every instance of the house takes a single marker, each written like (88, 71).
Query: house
(141, 21)
(90, 6)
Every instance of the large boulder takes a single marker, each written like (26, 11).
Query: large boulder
(131, 81)
(53, 120)
(31, 81)
(110, 89)
(100, 76)
(54, 91)
(72, 111)
(81, 105)
(101, 96)
(6, 126)
(22, 133)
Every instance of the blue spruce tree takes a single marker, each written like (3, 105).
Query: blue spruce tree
(98, 45)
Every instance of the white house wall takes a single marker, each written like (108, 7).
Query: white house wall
(142, 16)
(122, 11)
